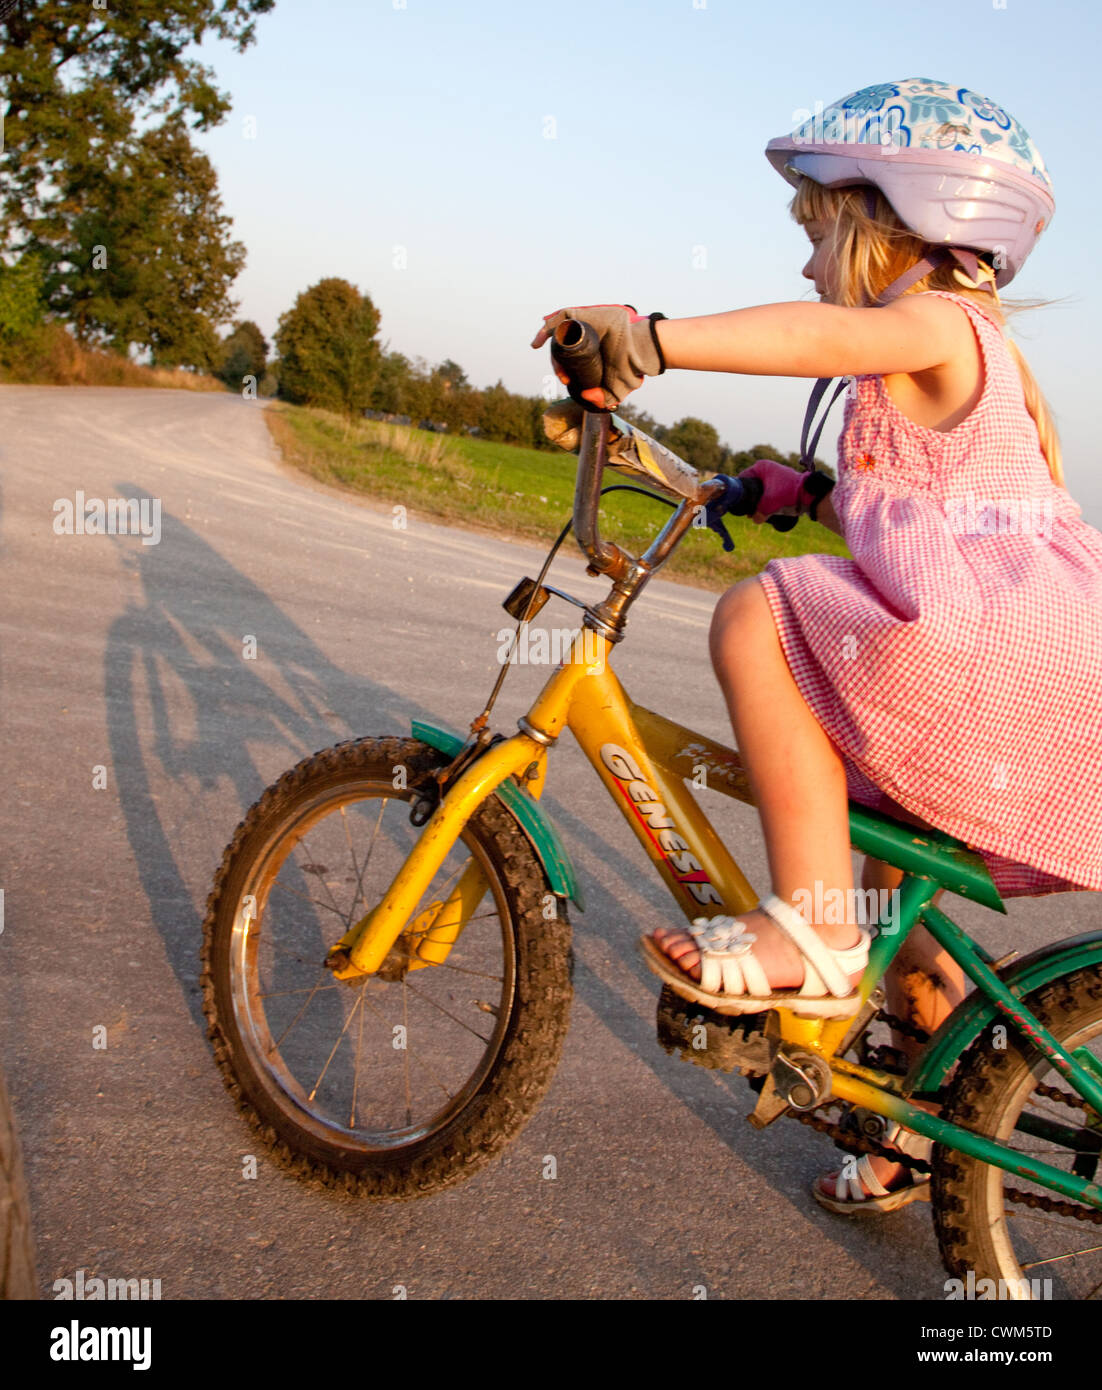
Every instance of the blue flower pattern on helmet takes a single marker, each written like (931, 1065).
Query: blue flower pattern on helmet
(984, 109)
(870, 98)
(929, 115)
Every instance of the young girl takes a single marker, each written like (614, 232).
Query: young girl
(950, 673)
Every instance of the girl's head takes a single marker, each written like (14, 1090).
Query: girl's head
(860, 247)
(891, 173)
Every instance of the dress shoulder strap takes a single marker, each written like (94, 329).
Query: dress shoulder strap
(975, 311)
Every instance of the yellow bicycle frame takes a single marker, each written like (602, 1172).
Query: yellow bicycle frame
(642, 759)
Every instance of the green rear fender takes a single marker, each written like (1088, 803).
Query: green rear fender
(527, 812)
(970, 1018)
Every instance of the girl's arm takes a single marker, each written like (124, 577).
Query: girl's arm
(826, 516)
(912, 334)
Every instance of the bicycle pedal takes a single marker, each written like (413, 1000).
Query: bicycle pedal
(717, 1042)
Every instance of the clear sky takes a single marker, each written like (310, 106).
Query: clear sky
(472, 166)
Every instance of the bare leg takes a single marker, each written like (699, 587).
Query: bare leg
(798, 780)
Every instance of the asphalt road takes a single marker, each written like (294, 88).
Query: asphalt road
(130, 658)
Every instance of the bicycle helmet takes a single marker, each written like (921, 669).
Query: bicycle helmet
(958, 170)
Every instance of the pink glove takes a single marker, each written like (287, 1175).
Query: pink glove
(784, 489)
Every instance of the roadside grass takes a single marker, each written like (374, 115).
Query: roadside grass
(51, 356)
(513, 491)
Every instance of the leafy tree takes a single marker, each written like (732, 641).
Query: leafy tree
(21, 303)
(244, 353)
(695, 441)
(506, 416)
(151, 263)
(329, 353)
(451, 376)
(389, 391)
(80, 81)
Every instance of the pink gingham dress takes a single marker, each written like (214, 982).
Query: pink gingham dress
(956, 660)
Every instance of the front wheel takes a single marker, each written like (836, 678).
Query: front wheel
(993, 1225)
(399, 1083)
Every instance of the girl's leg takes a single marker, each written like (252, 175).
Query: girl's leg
(798, 780)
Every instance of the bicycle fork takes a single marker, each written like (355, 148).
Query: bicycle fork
(368, 942)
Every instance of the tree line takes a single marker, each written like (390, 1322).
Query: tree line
(111, 223)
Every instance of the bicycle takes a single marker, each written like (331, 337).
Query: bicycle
(401, 1057)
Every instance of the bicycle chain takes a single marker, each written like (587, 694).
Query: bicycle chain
(847, 1139)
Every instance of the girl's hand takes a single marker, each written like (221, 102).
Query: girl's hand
(784, 489)
(629, 349)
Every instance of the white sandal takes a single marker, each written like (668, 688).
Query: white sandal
(864, 1192)
(732, 981)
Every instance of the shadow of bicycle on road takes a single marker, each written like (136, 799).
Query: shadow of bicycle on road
(198, 729)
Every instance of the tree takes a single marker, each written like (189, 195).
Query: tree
(506, 416)
(329, 353)
(21, 302)
(390, 390)
(451, 376)
(147, 258)
(243, 353)
(695, 441)
(79, 81)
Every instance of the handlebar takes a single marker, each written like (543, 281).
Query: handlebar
(602, 440)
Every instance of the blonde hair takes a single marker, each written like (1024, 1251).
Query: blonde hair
(870, 251)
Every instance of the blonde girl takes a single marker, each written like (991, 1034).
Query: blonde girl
(950, 672)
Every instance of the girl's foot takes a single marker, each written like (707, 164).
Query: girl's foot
(764, 959)
(783, 964)
(870, 1184)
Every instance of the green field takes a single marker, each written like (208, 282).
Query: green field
(513, 491)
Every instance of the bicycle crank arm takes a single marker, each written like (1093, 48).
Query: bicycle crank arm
(366, 945)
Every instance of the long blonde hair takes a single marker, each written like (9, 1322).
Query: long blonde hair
(872, 250)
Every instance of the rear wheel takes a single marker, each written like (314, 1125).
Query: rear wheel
(402, 1082)
(1001, 1226)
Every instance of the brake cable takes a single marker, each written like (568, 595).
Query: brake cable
(480, 724)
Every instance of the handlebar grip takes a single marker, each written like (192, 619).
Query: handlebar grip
(576, 348)
(745, 503)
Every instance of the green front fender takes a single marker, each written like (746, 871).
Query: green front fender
(972, 1016)
(527, 812)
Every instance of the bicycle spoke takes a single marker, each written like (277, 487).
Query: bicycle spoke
(358, 1004)
(405, 1064)
(367, 858)
(359, 1054)
(285, 888)
(316, 868)
(440, 1007)
(1069, 1255)
(466, 970)
(278, 993)
(306, 1004)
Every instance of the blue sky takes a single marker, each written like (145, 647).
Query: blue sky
(472, 166)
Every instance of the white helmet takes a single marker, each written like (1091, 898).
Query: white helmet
(957, 169)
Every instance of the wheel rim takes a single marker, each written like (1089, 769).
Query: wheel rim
(1041, 1254)
(370, 1066)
